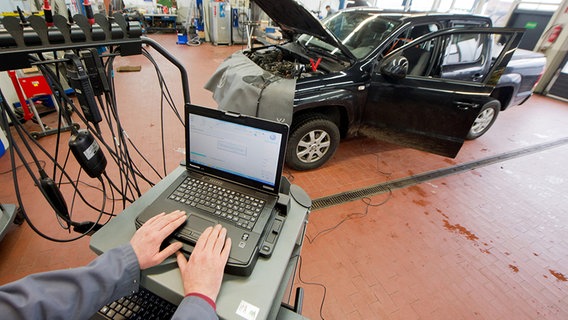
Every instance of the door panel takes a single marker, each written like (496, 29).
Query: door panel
(428, 110)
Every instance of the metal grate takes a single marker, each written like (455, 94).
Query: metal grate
(353, 195)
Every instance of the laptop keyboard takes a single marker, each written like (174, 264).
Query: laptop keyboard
(239, 209)
(141, 305)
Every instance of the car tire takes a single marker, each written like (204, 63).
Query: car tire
(484, 120)
(313, 141)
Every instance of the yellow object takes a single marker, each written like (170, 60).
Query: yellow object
(15, 14)
(129, 68)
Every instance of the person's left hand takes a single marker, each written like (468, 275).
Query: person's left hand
(147, 240)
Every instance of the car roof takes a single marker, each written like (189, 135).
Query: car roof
(418, 17)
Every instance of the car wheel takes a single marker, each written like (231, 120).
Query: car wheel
(484, 120)
(312, 143)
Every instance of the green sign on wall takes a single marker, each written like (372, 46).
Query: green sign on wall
(531, 25)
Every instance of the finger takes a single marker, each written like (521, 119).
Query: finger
(173, 223)
(168, 218)
(203, 239)
(157, 222)
(220, 241)
(154, 218)
(168, 251)
(181, 260)
(226, 250)
(157, 226)
(213, 238)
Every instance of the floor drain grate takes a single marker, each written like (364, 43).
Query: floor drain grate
(353, 195)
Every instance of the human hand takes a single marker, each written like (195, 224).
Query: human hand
(203, 273)
(147, 240)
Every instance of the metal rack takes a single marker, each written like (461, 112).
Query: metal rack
(19, 40)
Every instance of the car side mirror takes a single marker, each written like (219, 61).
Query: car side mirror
(395, 67)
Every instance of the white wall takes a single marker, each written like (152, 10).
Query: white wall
(319, 5)
(11, 5)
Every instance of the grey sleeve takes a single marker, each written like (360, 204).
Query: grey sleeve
(194, 308)
(72, 293)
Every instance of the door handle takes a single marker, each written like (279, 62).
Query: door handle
(465, 105)
(476, 77)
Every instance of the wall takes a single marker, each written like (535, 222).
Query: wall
(555, 52)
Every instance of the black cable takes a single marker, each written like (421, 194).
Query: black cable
(116, 156)
(64, 166)
(166, 95)
(312, 284)
(111, 198)
(23, 135)
(127, 164)
(18, 127)
(58, 139)
(114, 187)
(20, 166)
(128, 171)
(116, 144)
(73, 200)
(142, 156)
(121, 132)
(4, 114)
(351, 216)
(289, 175)
(124, 167)
(364, 146)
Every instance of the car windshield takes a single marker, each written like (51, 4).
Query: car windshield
(360, 32)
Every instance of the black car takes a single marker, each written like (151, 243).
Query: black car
(418, 80)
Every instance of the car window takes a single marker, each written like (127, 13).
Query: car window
(360, 32)
(465, 48)
(467, 56)
(409, 35)
(420, 57)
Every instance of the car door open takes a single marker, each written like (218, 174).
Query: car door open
(426, 94)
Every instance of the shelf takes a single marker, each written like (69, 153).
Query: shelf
(160, 22)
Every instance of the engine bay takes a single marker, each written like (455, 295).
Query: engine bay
(284, 63)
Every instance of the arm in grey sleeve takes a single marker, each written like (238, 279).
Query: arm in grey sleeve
(72, 293)
(194, 308)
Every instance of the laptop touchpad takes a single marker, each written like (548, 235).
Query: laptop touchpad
(199, 224)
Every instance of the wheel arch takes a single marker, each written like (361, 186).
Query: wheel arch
(504, 95)
(336, 113)
(474, 132)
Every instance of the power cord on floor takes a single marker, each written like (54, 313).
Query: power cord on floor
(386, 174)
(312, 284)
(21, 166)
(351, 216)
(288, 174)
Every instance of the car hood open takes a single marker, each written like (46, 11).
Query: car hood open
(293, 18)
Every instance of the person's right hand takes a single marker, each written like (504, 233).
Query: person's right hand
(147, 240)
(203, 273)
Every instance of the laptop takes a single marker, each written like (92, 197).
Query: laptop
(233, 171)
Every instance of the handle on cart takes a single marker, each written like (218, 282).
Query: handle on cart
(27, 113)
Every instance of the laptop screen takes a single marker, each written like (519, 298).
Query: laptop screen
(239, 148)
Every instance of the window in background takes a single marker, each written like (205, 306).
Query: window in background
(542, 5)
(463, 6)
